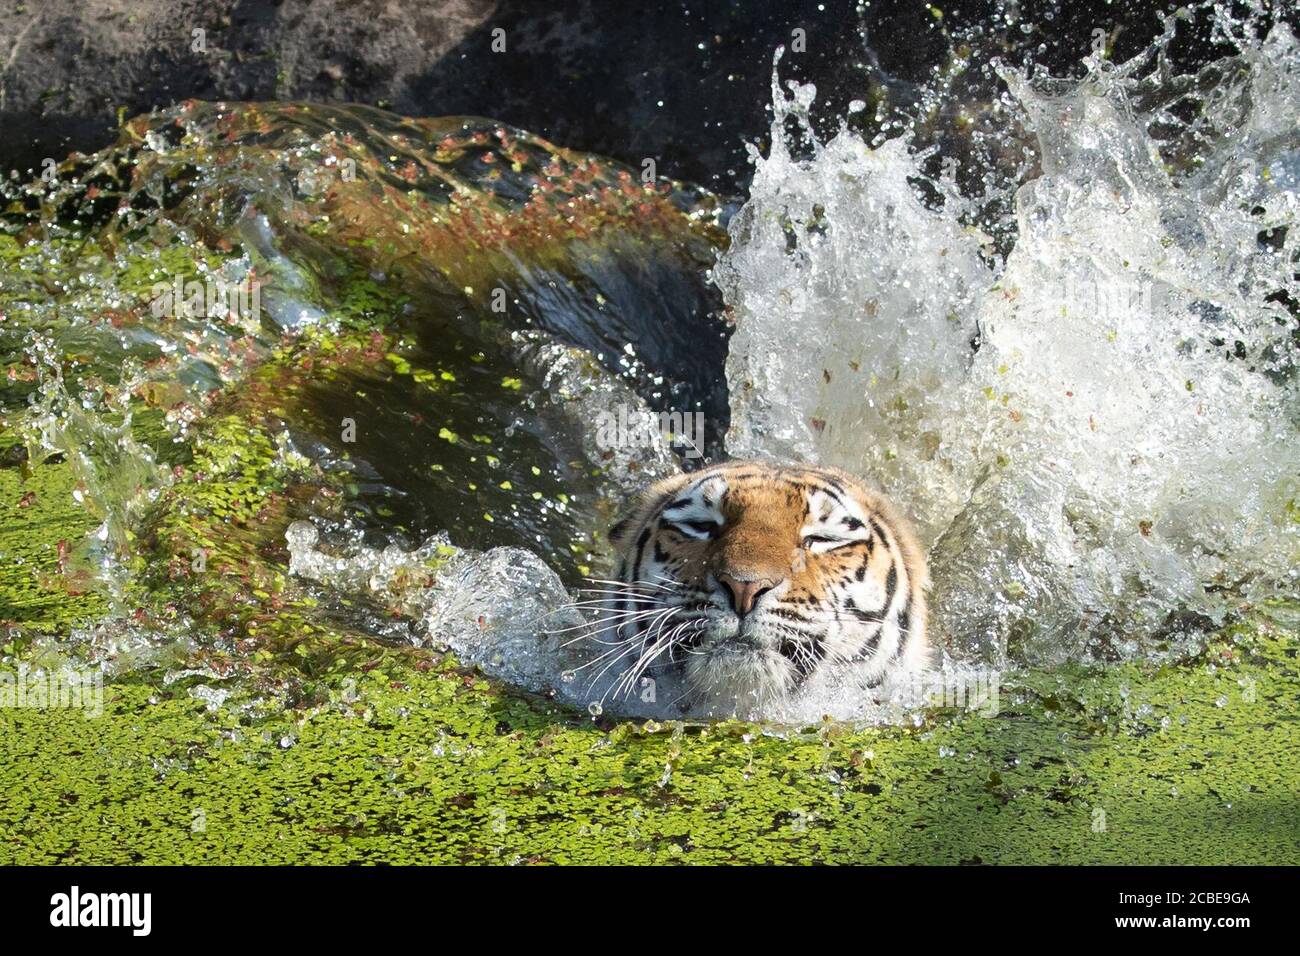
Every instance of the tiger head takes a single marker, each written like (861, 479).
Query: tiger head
(750, 579)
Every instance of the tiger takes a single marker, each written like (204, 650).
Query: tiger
(751, 579)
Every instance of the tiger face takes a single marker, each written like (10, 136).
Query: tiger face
(750, 580)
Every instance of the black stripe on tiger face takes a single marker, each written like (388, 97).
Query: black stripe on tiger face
(696, 512)
(876, 617)
(879, 613)
(791, 615)
(641, 541)
(869, 644)
(804, 654)
(833, 522)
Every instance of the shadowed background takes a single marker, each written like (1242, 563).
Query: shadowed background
(684, 83)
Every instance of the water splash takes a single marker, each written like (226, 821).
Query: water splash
(1088, 403)
(439, 312)
(508, 613)
(492, 608)
(1098, 435)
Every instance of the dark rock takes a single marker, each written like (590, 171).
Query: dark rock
(684, 84)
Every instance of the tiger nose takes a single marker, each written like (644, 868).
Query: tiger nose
(743, 593)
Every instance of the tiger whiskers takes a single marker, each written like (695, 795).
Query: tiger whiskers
(665, 641)
(630, 644)
(632, 625)
(608, 608)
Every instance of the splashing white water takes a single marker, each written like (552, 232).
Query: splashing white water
(1097, 435)
(490, 608)
(1123, 445)
(507, 612)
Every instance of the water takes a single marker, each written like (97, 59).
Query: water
(509, 613)
(1074, 368)
(440, 312)
(1096, 433)
(499, 250)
